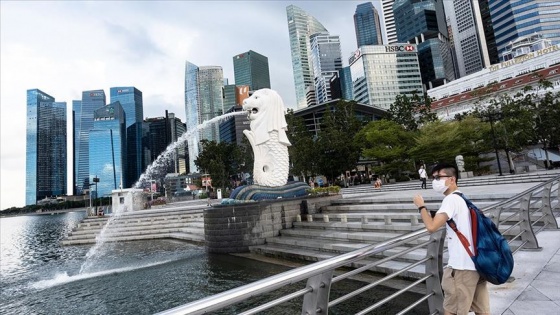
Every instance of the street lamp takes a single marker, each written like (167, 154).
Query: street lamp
(96, 180)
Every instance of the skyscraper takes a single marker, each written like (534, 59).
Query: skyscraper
(326, 59)
(469, 38)
(130, 100)
(203, 101)
(513, 19)
(251, 68)
(107, 148)
(46, 167)
(423, 23)
(367, 25)
(91, 100)
(162, 132)
(301, 26)
(389, 21)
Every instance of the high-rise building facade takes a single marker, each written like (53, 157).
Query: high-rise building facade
(45, 164)
(203, 101)
(301, 26)
(468, 36)
(389, 21)
(251, 68)
(83, 122)
(514, 19)
(130, 99)
(395, 71)
(326, 59)
(163, 131)
(367, 25)
(423, 23)
(107, 149)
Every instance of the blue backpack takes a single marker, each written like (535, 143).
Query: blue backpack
(492, 256)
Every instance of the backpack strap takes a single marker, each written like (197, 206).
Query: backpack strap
(460, 235)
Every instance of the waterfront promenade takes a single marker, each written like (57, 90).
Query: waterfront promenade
(536, 272)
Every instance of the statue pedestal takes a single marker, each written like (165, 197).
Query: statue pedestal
(463, 175)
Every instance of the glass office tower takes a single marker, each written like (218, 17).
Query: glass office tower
(203, 101)
(107, 148)
(46, 165)
(423, 23)
(301, 26)
(130, 99)
(251, 68)
(367, 25)
(83, 122)
(467, 31)
(326, 59)
(513, 19)
(396, 71)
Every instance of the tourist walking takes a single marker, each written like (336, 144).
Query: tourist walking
(464, 289)
(423, 176)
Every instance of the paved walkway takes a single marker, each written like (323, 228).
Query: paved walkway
(537, 275)
(536, 288)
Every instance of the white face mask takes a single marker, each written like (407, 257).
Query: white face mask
(439, 186)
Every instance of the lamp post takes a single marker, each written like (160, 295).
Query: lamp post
(96, 180)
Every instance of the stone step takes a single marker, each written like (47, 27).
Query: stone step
(175, 235)
(360, 236)
(142, 223)
(314, 255)
(392, 207)
(110, 235)
(396, 227)
(116, 229)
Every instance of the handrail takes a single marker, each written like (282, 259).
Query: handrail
(319, 275)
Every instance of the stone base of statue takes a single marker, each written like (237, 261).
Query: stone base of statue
(257, 192)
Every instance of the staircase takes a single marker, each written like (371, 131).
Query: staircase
(173, 223)
(351, 223)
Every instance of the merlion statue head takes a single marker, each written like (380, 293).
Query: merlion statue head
(266, 112)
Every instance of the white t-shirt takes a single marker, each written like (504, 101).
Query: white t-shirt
(456, 208)
(422, 173)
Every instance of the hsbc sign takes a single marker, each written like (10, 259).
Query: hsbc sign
(400, 48)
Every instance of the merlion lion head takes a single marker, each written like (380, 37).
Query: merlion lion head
(266, 112)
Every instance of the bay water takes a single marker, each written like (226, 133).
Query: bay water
(40, 276)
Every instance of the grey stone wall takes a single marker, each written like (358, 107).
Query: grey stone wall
(233, 228)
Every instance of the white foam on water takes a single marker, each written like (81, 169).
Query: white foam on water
(64, 278)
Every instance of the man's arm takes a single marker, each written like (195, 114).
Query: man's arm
(432, 224)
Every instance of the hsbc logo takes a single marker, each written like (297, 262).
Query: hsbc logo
(398, 48)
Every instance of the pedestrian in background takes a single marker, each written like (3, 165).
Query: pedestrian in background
(423, 176)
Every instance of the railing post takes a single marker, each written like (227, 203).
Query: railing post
(549, 218)
(527, 234)
(317, 301)
(434, 267)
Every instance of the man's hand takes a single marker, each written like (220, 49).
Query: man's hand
(418, 200)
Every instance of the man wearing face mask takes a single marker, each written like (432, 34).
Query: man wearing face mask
(464, 289)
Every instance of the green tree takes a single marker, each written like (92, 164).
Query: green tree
(389, 143)
(303, 151)
(411, 112)
(220, 160)
(338, 152)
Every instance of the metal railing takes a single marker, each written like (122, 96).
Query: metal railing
(517, 217)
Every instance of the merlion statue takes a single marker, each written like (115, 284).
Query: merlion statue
(460, 163)
(268, 137)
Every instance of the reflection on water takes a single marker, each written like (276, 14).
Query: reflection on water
(39, 276)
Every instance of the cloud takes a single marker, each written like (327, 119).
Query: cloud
(66, 47)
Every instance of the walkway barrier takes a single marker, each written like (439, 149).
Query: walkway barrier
(517, 218)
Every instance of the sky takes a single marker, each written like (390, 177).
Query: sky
(66, 47)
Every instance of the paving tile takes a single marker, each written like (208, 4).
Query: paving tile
(534, 307)
(547, 288)
(532, 294)
(549, 276)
